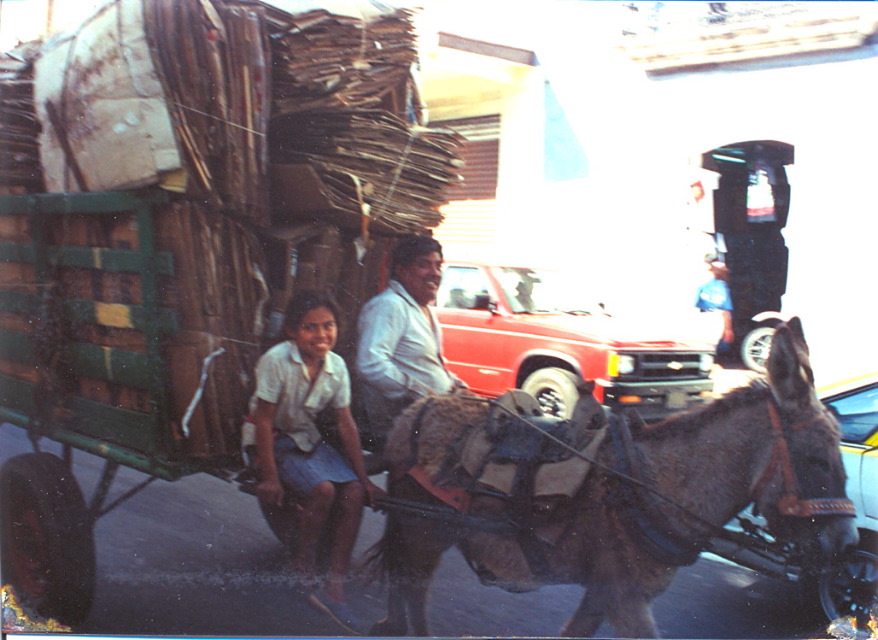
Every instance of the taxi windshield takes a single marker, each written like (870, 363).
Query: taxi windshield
(857, 413)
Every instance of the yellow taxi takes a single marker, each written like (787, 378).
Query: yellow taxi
(851, 587)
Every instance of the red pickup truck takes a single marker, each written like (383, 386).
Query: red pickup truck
(514, 327)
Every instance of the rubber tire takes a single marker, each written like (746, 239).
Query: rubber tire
(849, 587)
(555, 390)
(47, 538)
(755, 348)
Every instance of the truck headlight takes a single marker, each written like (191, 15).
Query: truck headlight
(705, 362)
(620, 365)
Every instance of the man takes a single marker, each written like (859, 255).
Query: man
(713, 296)
(399, 357)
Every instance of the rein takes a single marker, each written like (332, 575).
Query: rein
(613, 471)
(790, 504)
(663, 543)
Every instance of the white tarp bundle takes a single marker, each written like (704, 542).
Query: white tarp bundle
(101, 81)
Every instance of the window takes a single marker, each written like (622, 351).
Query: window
(857, 413)
(461, 287)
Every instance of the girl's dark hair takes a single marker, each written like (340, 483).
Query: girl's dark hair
(412, 247)
(304, 301)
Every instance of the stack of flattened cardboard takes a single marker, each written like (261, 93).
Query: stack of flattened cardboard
(20, 168)
(371, 164)
(212, 61)
(194, 96)
(347, 60)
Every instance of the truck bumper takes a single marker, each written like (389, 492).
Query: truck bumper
(655, 400)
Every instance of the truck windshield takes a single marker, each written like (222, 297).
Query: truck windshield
(542, 291)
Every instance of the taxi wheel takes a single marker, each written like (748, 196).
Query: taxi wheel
(849, 588)
(47, 538)
(554, 389)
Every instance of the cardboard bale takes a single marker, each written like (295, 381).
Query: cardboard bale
(24, 372)
(14, 321)
(218, 408)
(14, 228)
(130, 398)
(17, 276)
(103, 286)
(112, 337)
(103, 84)
(95, 390)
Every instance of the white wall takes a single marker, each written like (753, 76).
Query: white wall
(620, 227)
(637, 188)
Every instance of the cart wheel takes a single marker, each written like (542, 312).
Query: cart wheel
(850, 587)
(281, 521)
(47, 537)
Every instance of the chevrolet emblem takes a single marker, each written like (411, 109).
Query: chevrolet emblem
(676, 366)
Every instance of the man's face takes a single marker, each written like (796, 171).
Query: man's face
(422, 277)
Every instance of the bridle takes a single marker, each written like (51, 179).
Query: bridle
(790, 503)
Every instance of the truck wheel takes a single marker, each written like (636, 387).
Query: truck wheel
(281, 521)
(47, 538)
(850, 587)
(755, 348)
(555, 390)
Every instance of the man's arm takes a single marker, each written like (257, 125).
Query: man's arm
(728, 331)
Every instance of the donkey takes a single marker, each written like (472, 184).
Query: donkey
(770, 444)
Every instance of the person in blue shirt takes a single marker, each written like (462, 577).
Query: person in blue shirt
(714, 297)
(399, 356)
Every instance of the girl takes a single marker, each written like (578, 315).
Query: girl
(295, 381)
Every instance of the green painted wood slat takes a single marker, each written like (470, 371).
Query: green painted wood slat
(118, 260)
(93, 312)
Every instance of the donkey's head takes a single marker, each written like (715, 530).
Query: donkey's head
(588, 412)
(801, 490)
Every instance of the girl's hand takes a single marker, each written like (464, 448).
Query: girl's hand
(271, 492)
(372, 491)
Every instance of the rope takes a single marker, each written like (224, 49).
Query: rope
(398, 172)
(223, 120)
(196, 398)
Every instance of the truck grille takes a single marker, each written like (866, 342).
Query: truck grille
(666, 366)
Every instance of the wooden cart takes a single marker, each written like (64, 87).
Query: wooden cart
(129, 323)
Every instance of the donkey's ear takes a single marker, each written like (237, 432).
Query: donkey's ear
(585, 386)
(795, 325)
(789, 369)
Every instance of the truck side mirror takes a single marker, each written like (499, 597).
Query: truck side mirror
(483, 302)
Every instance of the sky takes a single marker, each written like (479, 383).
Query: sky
(28, 19)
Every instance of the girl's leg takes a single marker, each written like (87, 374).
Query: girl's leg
(312, 519)
(350, 512)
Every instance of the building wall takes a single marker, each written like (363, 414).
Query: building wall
(634, 197)
(619, 221)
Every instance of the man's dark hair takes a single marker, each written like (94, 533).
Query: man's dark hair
(412, 247)
(304, 301)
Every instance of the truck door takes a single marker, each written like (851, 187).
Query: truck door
(474, 344)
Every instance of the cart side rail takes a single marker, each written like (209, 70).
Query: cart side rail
(107, 397)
